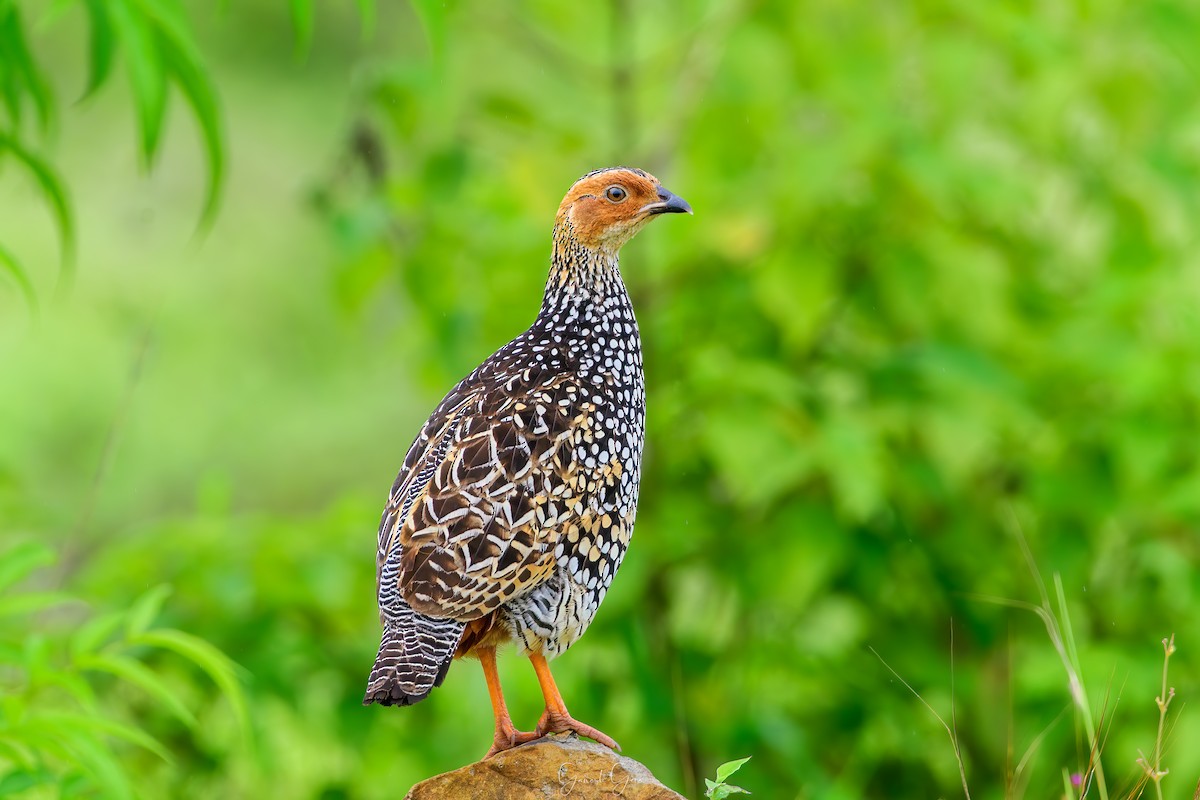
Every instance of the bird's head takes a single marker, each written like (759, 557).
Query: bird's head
(605, 208)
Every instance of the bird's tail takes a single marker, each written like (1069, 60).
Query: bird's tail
(414, 656)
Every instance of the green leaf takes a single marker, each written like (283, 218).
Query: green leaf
(366, 9)
(138, 674)
(432, 14)
(10, 265)
(101, 45)
(72, 682)
(302, 19)
(219, 667)
(147, 75)
(52, 189)
(95, 633)
(10, 84)
(14, 747)
(724, 790)
(20, 62)
(74, 784)
(184, 62)
(58, 9)
(31, 602)
(730, 767)
(96, 760)
(64, 719)
(145, 610)
(22, 559)
(756, 451)
(22, 780)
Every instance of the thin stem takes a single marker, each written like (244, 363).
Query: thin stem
(1164, 702)
(74, 546)
(951, 732)
(1152, 768)
(686, 758)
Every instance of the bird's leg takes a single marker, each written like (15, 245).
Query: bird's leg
(507, 736)
(556, 718)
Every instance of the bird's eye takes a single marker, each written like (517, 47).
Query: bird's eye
(616, 194)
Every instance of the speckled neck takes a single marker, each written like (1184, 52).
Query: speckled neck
(580, 275)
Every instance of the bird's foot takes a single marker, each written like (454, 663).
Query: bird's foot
(552, 722)
(507, 737)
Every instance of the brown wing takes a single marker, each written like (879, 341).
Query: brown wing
(475, 517)
(423, 456)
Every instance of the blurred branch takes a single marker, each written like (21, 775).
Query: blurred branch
(621, 54)
(73, 546)
(696, 71)
(547, 48)
(687, 749)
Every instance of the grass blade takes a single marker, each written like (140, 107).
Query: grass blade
(71, 683)
(32, 602)
(145, 610)
(951, 732)
(21, 560)
(138, 674)
(219, 668)
(94, 633)
(60, 720)
(84, 749)
(23, 780)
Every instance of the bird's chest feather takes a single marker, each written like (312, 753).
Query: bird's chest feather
(603, 351)
(593, 359)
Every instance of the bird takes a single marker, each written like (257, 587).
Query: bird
(516, 501)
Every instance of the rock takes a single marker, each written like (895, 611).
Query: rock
(558, 765)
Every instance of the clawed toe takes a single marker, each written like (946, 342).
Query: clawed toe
(564, 723)
(508, 739)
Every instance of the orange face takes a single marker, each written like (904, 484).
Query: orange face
(607, 207)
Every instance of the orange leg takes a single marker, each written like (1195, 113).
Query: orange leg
(507, 736)
(556, 718)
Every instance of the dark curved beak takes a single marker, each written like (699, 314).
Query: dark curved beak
(668, 203)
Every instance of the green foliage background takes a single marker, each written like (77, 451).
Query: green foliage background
(940, 293)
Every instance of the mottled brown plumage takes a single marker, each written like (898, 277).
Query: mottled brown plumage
(516, 502)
